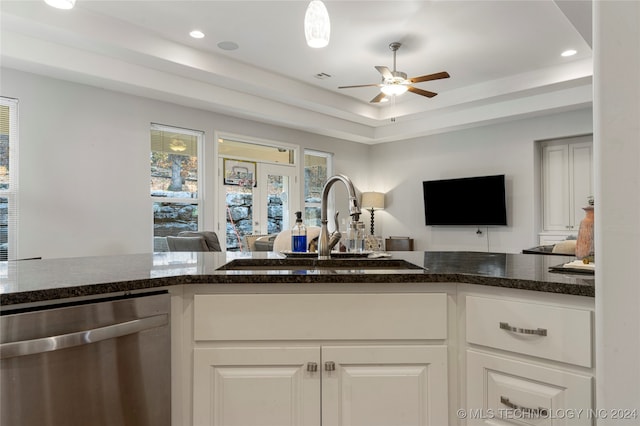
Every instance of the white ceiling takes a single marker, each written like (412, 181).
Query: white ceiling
(503, 58)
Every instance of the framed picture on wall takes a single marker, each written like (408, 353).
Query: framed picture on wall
(239, 172)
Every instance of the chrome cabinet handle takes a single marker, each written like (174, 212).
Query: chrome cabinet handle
(312, 367)
(537, 331)
(54, 343)
(538, 412)
(329, 366)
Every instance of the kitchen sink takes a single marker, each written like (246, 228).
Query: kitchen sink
(318, 264)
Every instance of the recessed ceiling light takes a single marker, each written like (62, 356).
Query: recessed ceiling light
(196, 34)
(61, 4)
(569, 52)
(228, 45)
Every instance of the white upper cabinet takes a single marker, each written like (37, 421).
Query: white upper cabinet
(567, 182)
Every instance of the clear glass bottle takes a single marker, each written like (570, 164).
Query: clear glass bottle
(352, 238)
(361, 237)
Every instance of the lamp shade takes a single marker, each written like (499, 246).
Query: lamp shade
(317, 26)
(372, 200)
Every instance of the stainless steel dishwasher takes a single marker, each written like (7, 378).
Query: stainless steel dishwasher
(104, 362)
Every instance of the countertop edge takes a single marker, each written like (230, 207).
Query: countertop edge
(34, 296)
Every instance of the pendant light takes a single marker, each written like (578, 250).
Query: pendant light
(317, 27)
(61, 4)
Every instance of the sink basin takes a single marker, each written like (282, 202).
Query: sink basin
(316, 264)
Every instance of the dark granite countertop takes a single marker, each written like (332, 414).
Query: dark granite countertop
(53, 279)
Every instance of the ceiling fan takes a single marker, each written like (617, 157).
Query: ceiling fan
(396, 82)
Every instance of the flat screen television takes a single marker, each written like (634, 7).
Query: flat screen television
(476, 201)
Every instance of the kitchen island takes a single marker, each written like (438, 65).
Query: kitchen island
(31, 281)
(329, 342)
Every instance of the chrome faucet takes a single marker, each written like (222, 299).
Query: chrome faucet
(327, 242)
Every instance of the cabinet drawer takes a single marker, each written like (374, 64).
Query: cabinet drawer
(546, 331)
(320, 316)
(525, 394)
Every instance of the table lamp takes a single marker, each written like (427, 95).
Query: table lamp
(372, 201)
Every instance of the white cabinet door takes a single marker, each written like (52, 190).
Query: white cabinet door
(384, 385)
(555, 187)
(267, 386)
(581, 179)
(567, 182)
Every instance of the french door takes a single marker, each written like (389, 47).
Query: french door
(264, 203)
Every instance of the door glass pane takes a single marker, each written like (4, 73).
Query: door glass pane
(256, 210)
(277, 203)
(239, 213)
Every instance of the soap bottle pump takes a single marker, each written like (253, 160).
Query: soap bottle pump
(299, 235)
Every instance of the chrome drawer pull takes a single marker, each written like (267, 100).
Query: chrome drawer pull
(538, 331)
(538, 412)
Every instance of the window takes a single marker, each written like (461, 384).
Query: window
(8, 178)
(317, 168)
(175, 180)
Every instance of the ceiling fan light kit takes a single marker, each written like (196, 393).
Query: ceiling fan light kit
(392, 88)
(317, 26)
(396, 83)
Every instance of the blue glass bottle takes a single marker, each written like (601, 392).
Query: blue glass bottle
(299, 235)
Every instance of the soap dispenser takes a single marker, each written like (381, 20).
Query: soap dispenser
(299, 235)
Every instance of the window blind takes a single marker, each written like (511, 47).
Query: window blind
(8, 178)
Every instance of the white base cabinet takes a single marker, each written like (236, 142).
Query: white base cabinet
(332, 385)
(529, 361)
(320, 360)
(490, 356)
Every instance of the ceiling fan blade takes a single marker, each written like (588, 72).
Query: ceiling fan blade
(360, 85)
(422, 92)
(386, 73)
(378, 98)
(430, 77)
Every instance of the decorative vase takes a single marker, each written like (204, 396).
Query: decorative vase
(584, 245)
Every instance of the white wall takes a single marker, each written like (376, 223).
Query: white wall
(617, 206)
(84, 164)
(84, 169)
(508, 148)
